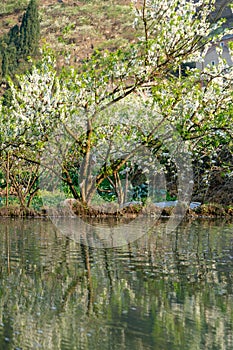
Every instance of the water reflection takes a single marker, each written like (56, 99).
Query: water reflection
(167, 290)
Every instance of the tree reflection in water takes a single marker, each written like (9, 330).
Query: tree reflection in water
(167, 290)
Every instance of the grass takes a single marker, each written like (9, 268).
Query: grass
(11, 6)
(95, 24)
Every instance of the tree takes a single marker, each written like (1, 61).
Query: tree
(14, 36)
(122, 109)
(21, 42)
(5, 64)
(23, 132)
(23, 176)
(30, 30)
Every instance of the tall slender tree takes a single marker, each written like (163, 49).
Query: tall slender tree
(30, 30)
(14, 36)
(5, 64)
(20, 42)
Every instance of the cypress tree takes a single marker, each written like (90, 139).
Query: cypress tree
(30, 31)
(13, 36)
(9, 60)
(5, 64)
(19, 43)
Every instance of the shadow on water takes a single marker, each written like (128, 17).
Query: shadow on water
(166, 290)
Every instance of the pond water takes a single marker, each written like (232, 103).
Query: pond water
(166, 290)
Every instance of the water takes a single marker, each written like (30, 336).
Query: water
(167, 290)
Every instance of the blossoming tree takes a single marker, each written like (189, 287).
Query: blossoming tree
(102, 119)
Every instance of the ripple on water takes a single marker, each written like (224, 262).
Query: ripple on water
(160, 292)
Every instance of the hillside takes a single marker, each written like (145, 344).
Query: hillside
(76, 26)
(81, 26)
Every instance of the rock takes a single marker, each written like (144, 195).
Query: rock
(69, 202)
(167, 204)
(125, 205)
(194, 205)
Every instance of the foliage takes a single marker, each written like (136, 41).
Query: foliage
(11, 6)
(30, 30)
(126, 109)
(20, 42)
(48, 199)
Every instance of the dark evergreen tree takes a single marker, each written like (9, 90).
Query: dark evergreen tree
(5, 64)
(14, 36)
(30, 31)
(12, 57)
(7, 96)
(19, 43)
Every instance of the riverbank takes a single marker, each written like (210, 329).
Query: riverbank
(74, 208)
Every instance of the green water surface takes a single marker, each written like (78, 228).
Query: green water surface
(167, 290)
